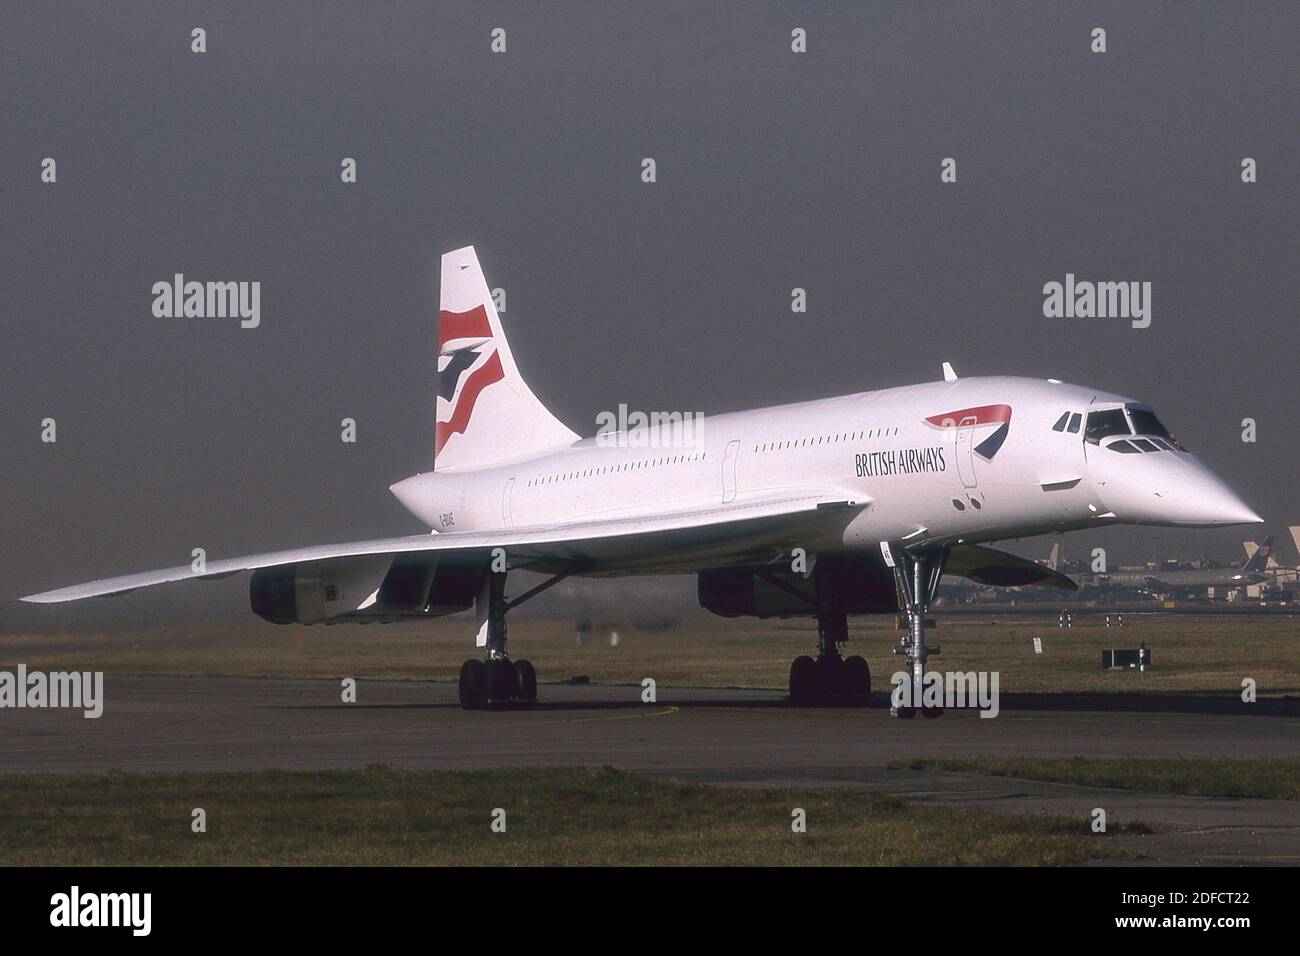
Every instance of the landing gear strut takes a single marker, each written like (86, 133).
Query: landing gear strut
(498, 679)
(917, 577)
(830, 680)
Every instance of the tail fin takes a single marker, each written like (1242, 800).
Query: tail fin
(486, 412)
(1259, 560)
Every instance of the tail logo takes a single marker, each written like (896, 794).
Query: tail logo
(983, 417)
(467, 363)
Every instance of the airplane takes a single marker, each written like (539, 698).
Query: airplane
(1252, 571)
(1251, 547)
(1278, 574)
(850, 505)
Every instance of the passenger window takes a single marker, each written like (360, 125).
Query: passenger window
(1103, 424)
(1060, 422)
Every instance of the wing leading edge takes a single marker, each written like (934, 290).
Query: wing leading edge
(665, 543)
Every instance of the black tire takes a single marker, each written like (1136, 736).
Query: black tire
(931, 713)
(905, 713)
(526, 680)
(857, 676)
(473, 685)
(832, 683)
(803, 682)
(502, 684)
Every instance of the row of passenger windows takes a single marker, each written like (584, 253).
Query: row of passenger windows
(615, 469)
(825, 439)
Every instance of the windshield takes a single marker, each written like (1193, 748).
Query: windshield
(1103, 424)
(1146, 423)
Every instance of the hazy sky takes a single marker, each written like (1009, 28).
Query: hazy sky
(775, 170)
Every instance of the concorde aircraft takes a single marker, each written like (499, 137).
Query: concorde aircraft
(850, 505)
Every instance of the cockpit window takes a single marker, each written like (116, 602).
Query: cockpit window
(1146, 423)
(1060, 422)
(1075, 421)
(1123, 447)
(1103, 424)
(1145, 445)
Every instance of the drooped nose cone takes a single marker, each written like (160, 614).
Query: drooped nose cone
(1165, 488)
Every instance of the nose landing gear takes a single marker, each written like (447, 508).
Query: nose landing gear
(917, 577)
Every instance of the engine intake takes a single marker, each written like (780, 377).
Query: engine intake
(403, 586)
(866, 583)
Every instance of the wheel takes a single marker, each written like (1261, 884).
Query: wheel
(803, 682)
(473, 685)
(502, 683)
(526, 680)
(835, 682)
(930, 713)
(832, 681)
(857, 678)
(905, 713)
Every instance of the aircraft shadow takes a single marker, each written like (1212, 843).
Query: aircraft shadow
(1144, 704)
(1015, 703)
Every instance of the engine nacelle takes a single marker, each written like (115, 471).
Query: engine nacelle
(371, 588)
(315, 591)
(867, 586)
(417, 585)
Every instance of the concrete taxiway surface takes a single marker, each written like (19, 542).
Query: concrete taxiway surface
(738, 737)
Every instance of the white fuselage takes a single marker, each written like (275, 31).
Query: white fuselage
(924, 480)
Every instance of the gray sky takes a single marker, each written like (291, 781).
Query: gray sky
(775, 170)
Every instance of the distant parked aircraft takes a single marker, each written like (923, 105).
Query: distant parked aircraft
(1251, 572)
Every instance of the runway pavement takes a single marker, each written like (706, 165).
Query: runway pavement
(738, 737)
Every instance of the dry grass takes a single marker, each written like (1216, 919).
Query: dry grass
(1258, 777)
(554, 816)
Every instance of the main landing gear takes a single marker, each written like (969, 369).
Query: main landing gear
(831, 680)
(917, 579)
(498, 680)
